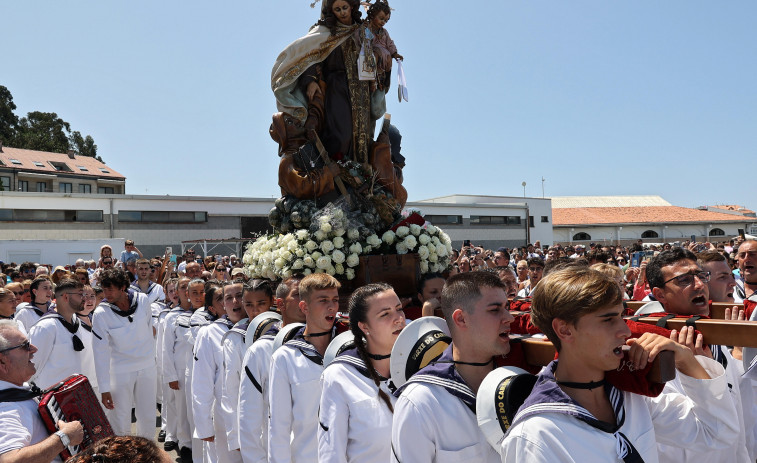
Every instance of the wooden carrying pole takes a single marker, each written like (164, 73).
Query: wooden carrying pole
(720, 332)
(717, 309)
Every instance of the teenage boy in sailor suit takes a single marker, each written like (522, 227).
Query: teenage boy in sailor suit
(255, 299)
(58, 337)
(296, 367)
(681, 287)
(174, 362)
(253, 396)
(165, 394)
(143, 284)
(435, 414)
(572, 414)
(207, 377)
(125, 355)
(196, 294)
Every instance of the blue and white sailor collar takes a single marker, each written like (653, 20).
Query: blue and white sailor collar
(225, 322)
(300, 342)
(352, 358)
(442, 373)
(150, 285)
(547, 397)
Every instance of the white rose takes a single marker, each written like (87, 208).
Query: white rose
(338, 257)
(339, 269)
(423, 252)
(327, 246)
(410, 242)
(306, 272)
(449, 248)
(374, 240)
(403, 232)
(424, 266)
(302, 234)
(326, 227)
(388, 237)
(338, 242)
(311, 245)
(298, 264)
(435, 240)
(339, 232)
(367, 249)
(353, 234)
(424, 239)
(293, 245)
(320, 270)
(299, 252)
(444, 238)
(319, 235)
(350, 274)
(352, 260)
(286, 255)
(433, 258)
(316, 255)
(323, 262)
(441, 250)
(356, 248)
(434, 268)
(331, 270)
(401, 248)
(415, 229)
(308, 261)
(431, 229)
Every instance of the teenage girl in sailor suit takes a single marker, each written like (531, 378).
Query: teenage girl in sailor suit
(356, 400)
(28, 313)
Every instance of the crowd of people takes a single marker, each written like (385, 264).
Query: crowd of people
(236, 366)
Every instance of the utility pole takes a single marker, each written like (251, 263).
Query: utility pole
(542, 187)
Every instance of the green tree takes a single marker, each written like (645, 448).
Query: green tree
(8, 119)
(83, 146)
(43, 132)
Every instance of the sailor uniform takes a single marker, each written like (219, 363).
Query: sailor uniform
(435, 418)
(355, 425)
(206, 386)
(175, 356)
(233, 350)
(20, 422)
(27, 314)
(168, 403)
(253, 399)
(154, 291)
(197, 319)
(124, 352)
(551, 427)
(156, 308)
(60, 349)
(88, 359)
(294, 396)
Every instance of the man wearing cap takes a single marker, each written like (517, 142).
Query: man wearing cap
(24, 438)
(253, 390)
(434, 417)
(238, 275)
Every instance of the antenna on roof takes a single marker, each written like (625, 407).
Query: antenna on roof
(71, 154)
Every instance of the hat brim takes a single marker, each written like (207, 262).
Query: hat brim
(342, 342)
(498, 399)
(418, 344)
(259, 325)
(285, 334)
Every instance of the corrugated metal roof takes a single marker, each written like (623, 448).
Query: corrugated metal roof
(563, 202)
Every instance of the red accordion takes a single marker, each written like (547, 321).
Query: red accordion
(74, 400)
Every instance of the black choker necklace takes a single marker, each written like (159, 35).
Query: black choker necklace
(590, 385)
(39, 303)
(379, 357)
(315, 335)
(473, 364)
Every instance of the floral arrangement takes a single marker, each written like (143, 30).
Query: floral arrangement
(334, 242)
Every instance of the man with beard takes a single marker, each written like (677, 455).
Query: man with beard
(143, 284)
(57, 336)
(747, 258)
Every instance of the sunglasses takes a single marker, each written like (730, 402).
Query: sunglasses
(26, 345)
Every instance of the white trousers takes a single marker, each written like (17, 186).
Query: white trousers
(183, 432)
(197, 444)
(218, 450)
(168, 412)
(138, 388)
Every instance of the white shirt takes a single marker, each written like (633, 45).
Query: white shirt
(154, 291)
(233, 350)
(207, 377)
(703, 419)
(355, 424)
(88, 360)
(28, 314)
(20, 423)
(294, 397)
(432, 425)
(253, 403)
(120, 345)
(55, 358)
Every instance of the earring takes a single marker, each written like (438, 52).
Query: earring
(367, 333)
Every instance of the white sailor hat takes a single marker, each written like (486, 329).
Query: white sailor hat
(344, 341)
(422, 341)
(498, 399)
(285, 334)
(259, 325)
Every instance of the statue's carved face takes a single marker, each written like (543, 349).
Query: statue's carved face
(343, 12)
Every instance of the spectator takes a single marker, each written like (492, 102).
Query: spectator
(522, 271)
(82, 275)
(106, 251)
(59, 273)
(130, 251)
(41, 271)
(123, 449)
(535, 270)
(27, 270)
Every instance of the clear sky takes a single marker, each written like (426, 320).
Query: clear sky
(597, 97)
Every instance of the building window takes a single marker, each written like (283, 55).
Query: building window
(581, 237)
(162, 216)
(41, 187)
(531, 221)
(23, 185)
(16, 162)
(60, 166)
(49, 215)
(65, 187)
(445, 219)
(513, 220)
(650, 234)
(105, 190)
(545, 219)
(38, 164)
(104, 170)
(85, 188)
(717, 232)
(5, 182)
(82, 168)
(488, 219)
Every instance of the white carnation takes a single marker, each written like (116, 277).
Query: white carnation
(374, 240)
(401, 248)
(388, 237)
(434, 268)
(410, 242)
(423, 252)
(327, 246)
(424, 266)
(403, 232)
(424, 239)
(433, 258)
(435, 240)
(338, 257)
(356, 248)
(338, 214)
(353, 234)
(431, 229)
(367, 249)
(350, 274)
(286, 255)
(302, 234)
(323, 262)
(441, 250)
(415, 230)
(352, 260)
(338, 242)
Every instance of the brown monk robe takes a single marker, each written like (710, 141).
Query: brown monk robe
(290, 135)
(389, 175)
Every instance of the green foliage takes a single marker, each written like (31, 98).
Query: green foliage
(41, 131)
